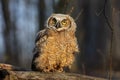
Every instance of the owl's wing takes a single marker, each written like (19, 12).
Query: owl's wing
(40, 38)
(40, 35)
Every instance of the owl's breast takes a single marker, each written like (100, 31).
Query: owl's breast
(60, 50)
(59, 45)
(56, 51)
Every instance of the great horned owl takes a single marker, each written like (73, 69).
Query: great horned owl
(56, 45)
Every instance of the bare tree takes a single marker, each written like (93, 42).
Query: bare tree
(116, 26)
(9, 33)
(6, 15)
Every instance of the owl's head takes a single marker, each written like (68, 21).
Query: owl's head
(60, 22)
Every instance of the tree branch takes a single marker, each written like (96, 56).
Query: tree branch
(31, 75)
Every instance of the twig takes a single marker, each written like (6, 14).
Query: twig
(79, 14)
(98, 14)
(71, 10)
(111, 42)
(83, 68)
(65, 5)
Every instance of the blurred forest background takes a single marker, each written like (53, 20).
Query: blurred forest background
(98, 32)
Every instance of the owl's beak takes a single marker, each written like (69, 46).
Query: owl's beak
(58, 25)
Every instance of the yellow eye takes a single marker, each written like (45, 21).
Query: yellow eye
(65, 22)
(52, 22)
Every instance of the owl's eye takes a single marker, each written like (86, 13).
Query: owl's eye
(52, 22)
(65, 22)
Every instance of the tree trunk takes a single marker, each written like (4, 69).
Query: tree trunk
(7, 30)
(116, 27)
(10, 37)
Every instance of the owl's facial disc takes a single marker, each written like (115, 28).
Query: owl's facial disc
(59, 24)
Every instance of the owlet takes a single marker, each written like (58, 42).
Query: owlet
(56, 45)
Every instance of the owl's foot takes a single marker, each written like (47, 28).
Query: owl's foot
(59, 70)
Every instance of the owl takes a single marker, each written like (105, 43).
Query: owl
(56, 45)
